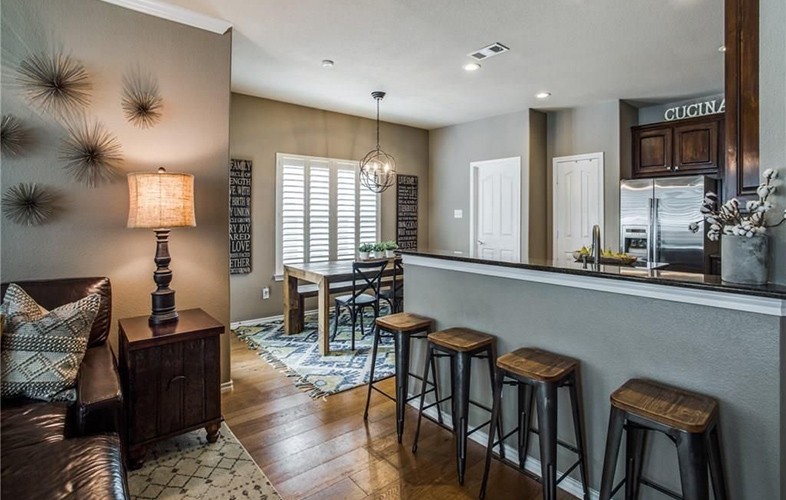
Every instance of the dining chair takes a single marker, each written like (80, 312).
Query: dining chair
(394, 295)
(366, 282)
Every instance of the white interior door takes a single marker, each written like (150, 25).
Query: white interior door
(496, 209)
(578, 202)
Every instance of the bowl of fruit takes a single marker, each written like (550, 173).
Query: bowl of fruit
(607, 256)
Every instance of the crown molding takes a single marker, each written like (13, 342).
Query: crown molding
(176, 14)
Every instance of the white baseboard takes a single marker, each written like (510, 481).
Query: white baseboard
(266, 319)
(227, 386)
(532, 465)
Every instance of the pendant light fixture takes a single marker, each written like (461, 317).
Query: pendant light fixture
(377, 168)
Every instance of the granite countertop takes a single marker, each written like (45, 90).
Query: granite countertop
(641, 274)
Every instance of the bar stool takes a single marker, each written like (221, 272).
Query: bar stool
(460, 345)
(689, 419)
(541, 372)
(402, 327)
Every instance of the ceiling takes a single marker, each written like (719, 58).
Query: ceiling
(582, 51)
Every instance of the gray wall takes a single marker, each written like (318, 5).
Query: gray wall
(590, 129)
(260, 128)
(539, 189)
(732, 356)
(451, 150)
(89, 236)
(772, 94)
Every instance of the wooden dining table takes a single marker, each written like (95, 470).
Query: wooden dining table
(322, 274)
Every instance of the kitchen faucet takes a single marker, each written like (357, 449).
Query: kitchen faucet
(596, 245)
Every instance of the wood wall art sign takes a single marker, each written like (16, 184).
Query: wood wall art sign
(240, 217)
(407, 211)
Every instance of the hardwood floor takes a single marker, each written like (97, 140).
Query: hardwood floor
(323, 449)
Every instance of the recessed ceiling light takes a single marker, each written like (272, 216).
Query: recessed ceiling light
(327, 63)
(542, 95)
(722, 48)
(471, 67)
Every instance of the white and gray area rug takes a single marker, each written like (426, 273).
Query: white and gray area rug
(188, 467)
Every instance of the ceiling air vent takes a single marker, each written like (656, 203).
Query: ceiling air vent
(489, 51)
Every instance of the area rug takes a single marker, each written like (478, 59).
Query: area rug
(188, 467)
(298, 355)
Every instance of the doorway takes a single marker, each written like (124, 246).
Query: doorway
(495, 209)
(577, 188)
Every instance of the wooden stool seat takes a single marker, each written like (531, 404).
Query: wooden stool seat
(536, 364)
(670, 406)
(404, 322)
(461, 339)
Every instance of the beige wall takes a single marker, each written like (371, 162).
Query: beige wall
(89, 236)
(260, 128)
(589, 129)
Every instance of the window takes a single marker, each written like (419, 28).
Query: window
(322, 211)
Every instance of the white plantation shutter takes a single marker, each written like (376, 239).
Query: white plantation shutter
(323, 213)
(318, 211)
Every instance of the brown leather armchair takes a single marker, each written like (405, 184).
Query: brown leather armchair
(53, 450)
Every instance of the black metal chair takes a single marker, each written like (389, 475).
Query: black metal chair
(366, 283)
(394, 295)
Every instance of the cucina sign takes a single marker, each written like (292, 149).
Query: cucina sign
(708, 107)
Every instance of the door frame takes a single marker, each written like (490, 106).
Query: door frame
(474, 167)
(554, 205)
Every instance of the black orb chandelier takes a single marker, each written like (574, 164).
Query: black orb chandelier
(377, 168)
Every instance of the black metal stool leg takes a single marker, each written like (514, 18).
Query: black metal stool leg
(436, 388)
(491, 354)
(613, 440)
(402, 379)
(337, 311)
(354, 313)
(577, 406)
(716, 464)
(496, 411)
(547, 423)
(635, 444)
(692, 454)
(429, 356)
(525, 420)
(462, 362)
(371, 374)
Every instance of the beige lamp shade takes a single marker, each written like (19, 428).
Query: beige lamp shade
(160, 200)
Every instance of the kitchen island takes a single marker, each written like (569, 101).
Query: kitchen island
(691, 331)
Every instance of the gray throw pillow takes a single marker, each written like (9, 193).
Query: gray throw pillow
(42, 350)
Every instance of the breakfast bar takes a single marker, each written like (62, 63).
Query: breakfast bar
(687, 330)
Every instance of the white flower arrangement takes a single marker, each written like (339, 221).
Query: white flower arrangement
(730, 220)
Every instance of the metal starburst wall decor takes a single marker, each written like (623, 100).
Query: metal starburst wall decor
(14, 137)
(28, 204)
(91, 154)
(56, 83)
(142, 103)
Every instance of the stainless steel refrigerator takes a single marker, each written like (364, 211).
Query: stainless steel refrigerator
(654, 219)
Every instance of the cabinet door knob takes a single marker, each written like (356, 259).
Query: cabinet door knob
(676, 168)
(668, 168)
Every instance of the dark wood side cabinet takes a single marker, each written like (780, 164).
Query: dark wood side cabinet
(171, 378)
(681, 147)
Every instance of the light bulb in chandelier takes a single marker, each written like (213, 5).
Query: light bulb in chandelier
(377, 168)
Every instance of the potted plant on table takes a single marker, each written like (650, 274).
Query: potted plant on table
(743, 234)
(364, 249)
(390, 248)
(379, 250)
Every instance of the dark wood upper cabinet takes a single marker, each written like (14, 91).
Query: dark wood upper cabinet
(689, 147)
(741, 173)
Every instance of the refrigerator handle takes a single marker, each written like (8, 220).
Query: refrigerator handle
(655, 235)
(650, 220)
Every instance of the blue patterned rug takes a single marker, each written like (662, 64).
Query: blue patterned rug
(298, 355)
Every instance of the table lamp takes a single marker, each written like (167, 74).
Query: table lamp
(161, 201)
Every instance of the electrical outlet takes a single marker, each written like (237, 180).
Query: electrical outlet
(266, 293)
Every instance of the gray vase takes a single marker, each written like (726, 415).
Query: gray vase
(744, 260)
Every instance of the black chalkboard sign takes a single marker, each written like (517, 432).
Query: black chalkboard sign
(407, 211)
(240, 217)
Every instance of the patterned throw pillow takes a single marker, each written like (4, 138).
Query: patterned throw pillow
(42, 350)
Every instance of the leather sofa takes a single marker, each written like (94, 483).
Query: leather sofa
(57, 450)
